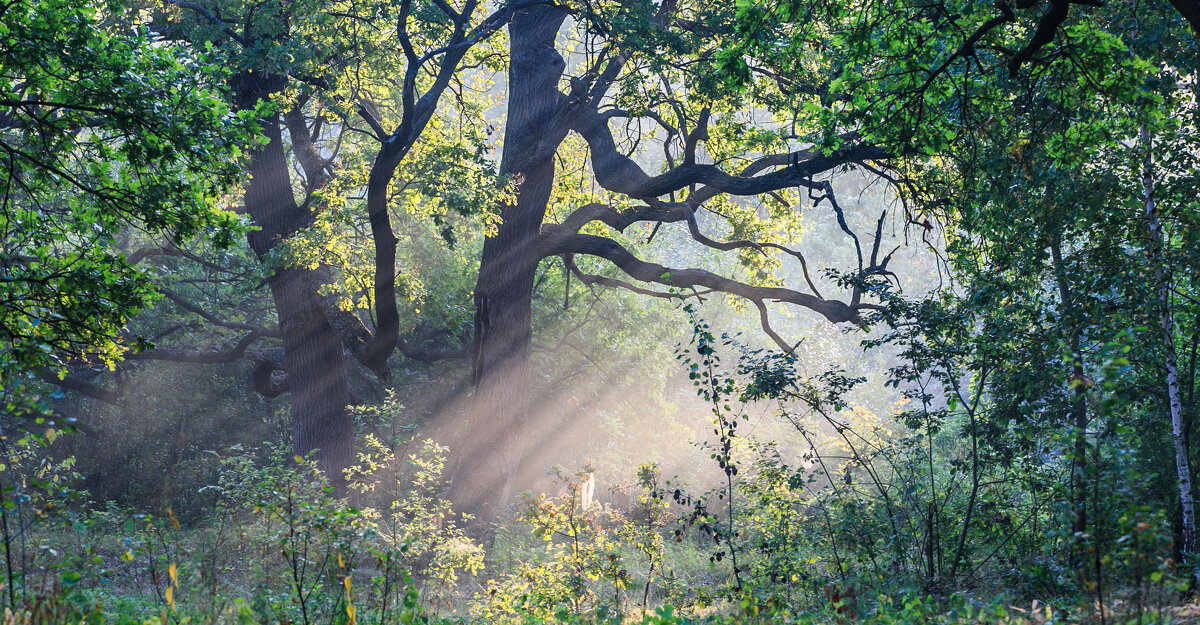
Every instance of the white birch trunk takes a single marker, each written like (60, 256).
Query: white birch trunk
(1167, 321)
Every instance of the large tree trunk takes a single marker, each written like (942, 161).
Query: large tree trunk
(489, 453)
(315, 360)
(314, 356)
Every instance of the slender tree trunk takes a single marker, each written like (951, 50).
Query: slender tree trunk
(314, 356)
(1189, 406)
(966, 524)
(1167, 323)
(1079, 415)
(490, 451)
(387, 316)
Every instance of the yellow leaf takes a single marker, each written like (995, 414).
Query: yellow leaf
(350, 610)
(169, 595)
(51, 434)
(173, 573)
(341, 564)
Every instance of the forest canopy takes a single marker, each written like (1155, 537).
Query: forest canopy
(616, 311)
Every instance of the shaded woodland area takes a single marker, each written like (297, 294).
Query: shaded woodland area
(616, 311)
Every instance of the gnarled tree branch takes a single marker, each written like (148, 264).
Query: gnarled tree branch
(73, 382)
(205, 357)
(618, 173)
(183, 303)
(670, 212)
(556, 240)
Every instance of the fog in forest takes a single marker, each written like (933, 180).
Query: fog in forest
(429, 311)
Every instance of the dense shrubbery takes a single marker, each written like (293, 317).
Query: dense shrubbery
(864, 523)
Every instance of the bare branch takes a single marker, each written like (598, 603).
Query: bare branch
(447, 9)
(693, 139)
(618, 173)
(213, 19)
(306, 152)
(556, 240)
(827, 189)
(73, 383)
(211, 357)
(968, 47)
(411, 347)
(183, 303)
(1054, 16)
(135, 257)
(765, 320)
(590, 279)
(670, 212)
(365, 111)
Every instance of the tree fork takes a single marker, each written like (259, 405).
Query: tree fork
(491, 447)
(313, 352)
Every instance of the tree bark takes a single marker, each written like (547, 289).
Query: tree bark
(314, 356)
(315, 360)
(490, 450)
(1183, 471)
